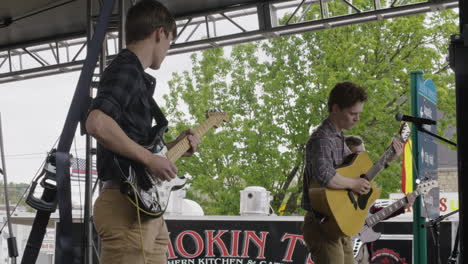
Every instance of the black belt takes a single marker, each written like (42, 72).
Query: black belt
(112, 184)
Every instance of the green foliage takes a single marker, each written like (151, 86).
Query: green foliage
(276, 91)
(15, 194)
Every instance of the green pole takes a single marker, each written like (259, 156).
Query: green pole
(419, 233)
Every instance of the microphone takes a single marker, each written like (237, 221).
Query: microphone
(415, 120)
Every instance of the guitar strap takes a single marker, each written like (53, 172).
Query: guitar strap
(159, 117)
(157, 131)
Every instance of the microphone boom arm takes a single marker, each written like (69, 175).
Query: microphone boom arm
(422, 129)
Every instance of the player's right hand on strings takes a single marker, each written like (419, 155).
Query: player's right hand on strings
(161, 168)
(361, 186)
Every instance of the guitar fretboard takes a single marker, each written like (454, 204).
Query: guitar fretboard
(380, 164)
(387, 211)
(182, 146)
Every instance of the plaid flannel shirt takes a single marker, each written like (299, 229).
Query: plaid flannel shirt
(125, 93)
(325, 151)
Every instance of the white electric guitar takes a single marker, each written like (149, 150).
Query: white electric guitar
(367, 234)
(147, 192)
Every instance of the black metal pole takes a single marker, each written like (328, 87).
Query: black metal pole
(459, 63)
(122, 15)
(87, 242)
(12, 246)
(78, 108)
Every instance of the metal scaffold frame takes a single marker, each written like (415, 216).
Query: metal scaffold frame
(200, 31)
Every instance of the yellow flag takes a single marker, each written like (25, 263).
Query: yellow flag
(407, 168)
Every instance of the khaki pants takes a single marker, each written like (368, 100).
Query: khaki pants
(117, 224)
(325, 250)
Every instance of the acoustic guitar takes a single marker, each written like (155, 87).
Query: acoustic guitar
(344, 210)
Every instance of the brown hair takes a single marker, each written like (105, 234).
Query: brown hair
(346, 94)
(353, 141)
(145, 17)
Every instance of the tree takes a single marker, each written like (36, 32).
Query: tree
(276, 92)
(16, 194)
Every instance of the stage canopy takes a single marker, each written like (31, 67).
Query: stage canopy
(45, 37)
(44, 20)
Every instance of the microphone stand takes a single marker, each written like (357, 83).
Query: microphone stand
(434, 226)
(421, 128)
(454, 256)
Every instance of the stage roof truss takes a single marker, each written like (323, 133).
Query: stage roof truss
(216, 28)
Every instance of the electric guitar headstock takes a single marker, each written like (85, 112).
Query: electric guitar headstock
(216, 117)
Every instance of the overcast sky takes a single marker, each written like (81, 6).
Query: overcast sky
(33, 113)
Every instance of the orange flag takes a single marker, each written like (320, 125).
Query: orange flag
(407, 168)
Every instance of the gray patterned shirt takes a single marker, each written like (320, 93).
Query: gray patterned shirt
(325, 151)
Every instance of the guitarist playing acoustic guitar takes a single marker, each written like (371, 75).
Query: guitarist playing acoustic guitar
(325, 152)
